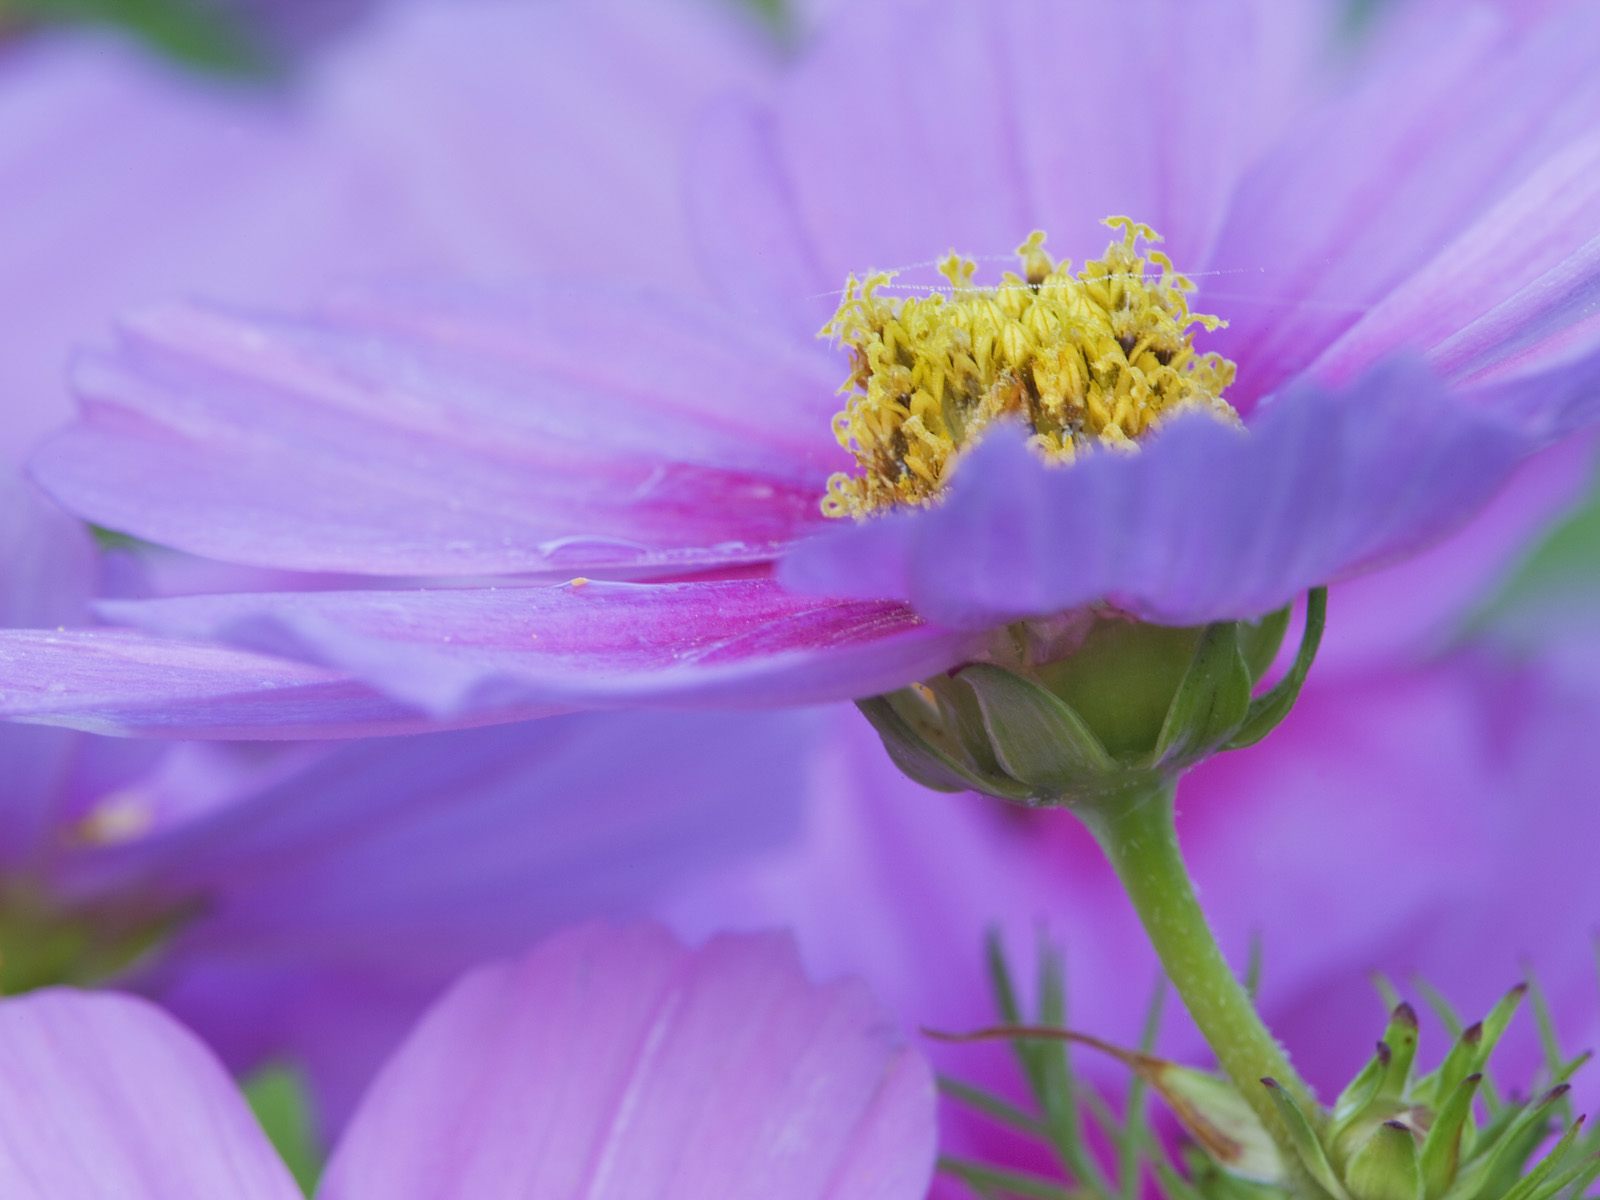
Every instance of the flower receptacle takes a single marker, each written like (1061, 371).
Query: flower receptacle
(1080, 710)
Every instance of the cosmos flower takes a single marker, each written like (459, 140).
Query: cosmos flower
(609, 1062)
(1396, 344)
(307, 903)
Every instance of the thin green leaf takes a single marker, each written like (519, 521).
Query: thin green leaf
(998, 1179)
(1136, 1121)
(990, 1105)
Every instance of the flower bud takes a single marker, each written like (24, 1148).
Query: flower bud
(1073, 710)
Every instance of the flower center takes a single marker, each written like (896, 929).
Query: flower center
(1099, 357)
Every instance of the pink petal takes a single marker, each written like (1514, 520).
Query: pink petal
(615, 1063)
(103, 1096)
(482, 654)
(119, 682)
(1527, 269)
(1449, 112)
(430, 433)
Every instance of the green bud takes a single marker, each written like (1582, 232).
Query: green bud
(1394, 1135)
(1385, 1166)
(1073, 710)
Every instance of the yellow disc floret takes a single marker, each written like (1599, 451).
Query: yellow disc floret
(1099, 357)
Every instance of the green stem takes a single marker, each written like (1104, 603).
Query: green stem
(1136, 831)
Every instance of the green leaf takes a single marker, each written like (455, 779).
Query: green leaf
(1211, 702)
(1532, 1184)
(191, 31)
(282, 1103)
(1505, 1151)
(1269, 710)
(997, 1108)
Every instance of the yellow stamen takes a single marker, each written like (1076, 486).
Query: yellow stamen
(1100, 357)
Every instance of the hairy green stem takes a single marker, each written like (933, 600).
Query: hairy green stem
(1136, 832)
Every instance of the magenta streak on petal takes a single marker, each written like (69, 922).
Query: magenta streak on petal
(475, 654)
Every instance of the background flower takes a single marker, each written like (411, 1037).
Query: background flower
(614, 1060)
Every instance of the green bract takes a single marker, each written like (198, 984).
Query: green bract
(1072, 712)
(1394, 1134)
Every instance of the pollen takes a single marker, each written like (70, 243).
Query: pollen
(1096, 358)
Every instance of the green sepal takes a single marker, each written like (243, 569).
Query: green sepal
(1443, 1148)
(1574, 1181)
(1038, 739)
(1212, 701)
(1533, 1185)
(1505, 1151)
(921, 758)
(1267, 712)
(1306, 1144)
(1260, 640)
(1385, 1166)
(1361, 1091)
(1464, 1059)
(1401, 1038)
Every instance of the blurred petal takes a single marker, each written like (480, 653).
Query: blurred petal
(422, 856)
(481, 654)
(615, 1063)
(438, 434)
(426, 143)
(1526, 269)
(1449, 113)
(502, 119)
(118, 682)
(47, 573)
(1203, 523)
(103, 1095)
(893, 163)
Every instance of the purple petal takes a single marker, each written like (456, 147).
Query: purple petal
(481, 654)
(1448, 114)
(47, 573)
(889, 165)
(1527, 270)
(103, 1095)
(423, 856)
(615, 1063)
(426, 143)
(453, 434)
(1204, 523)
(118, 682)
(505, 123)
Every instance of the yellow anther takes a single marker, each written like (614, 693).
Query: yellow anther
(1094, 358)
